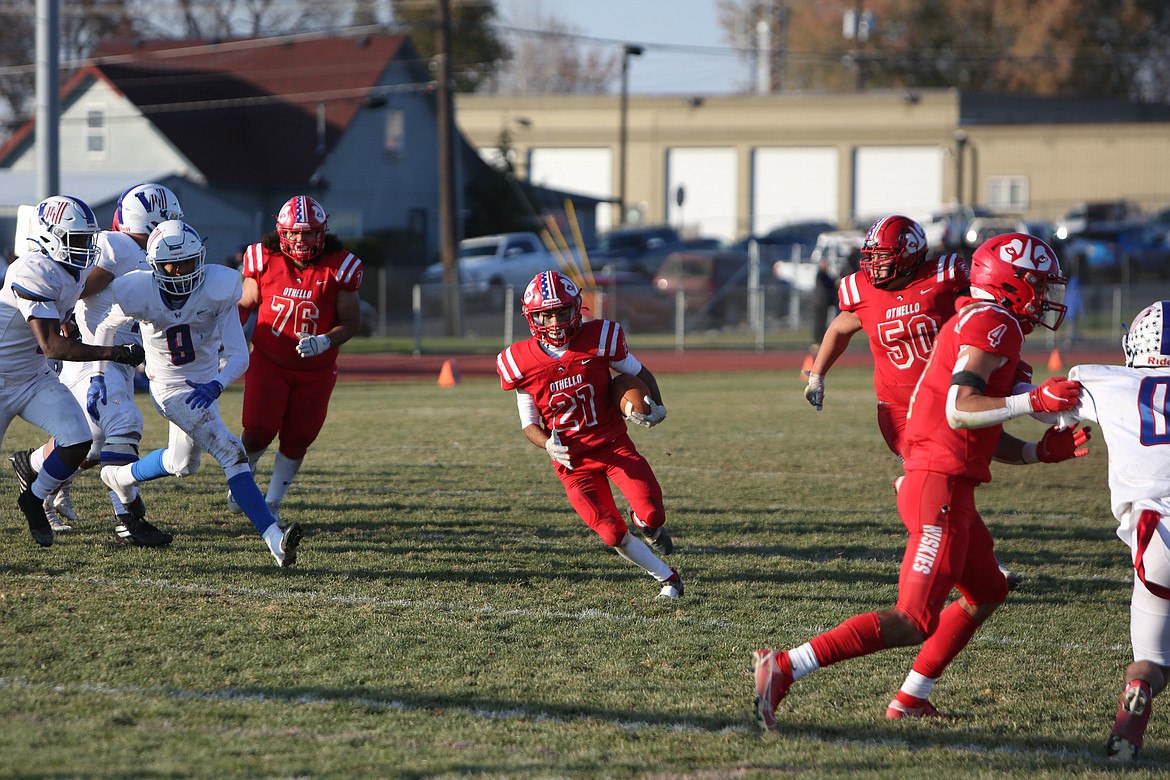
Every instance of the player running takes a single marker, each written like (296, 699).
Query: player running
(562, 379)
(954, 429)
(186, 310)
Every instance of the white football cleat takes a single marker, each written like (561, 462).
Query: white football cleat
(233, 507)
(671, 588)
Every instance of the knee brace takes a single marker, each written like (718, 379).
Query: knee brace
(120, 450)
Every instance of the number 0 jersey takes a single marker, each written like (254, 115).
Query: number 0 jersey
(1132, 407)
(297, 301)
(931, 443)
(903, 324)
(571, 392)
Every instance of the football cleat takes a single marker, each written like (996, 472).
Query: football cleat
(34, 512)
(773, 671)
(55, 520)
(287, 554)
(233, 507)
(672, 587)
(1013, 578)
(1129, 728)
(62, 500)
(898, 710)
(140, 532)
(658, 538)
(21, 461)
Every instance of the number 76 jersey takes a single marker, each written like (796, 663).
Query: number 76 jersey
(902, 324)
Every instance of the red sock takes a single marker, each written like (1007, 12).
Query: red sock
(955, 629)
(857, 636)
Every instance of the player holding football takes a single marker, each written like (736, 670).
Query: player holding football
(562, 378)
(39, 292)
(901, 301)
(953, 431)
(304, 286)
(114, 419)
(1132, 406)
(186, 311)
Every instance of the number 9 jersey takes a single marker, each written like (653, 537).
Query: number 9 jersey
(298, 301)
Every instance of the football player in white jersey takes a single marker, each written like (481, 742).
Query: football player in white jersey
(39, 292)
(1131, 403)
(114, 419)
(186, 310)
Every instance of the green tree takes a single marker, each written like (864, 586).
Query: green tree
(477, 48)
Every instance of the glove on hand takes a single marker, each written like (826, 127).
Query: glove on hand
(203, 395)
(310, 346)
(656, 414)
(95, 395)
(1057, 394)
(557, 451)
(814, 391)
(1057, 445)
(129, 354)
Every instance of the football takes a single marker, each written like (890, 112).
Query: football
(629, 394)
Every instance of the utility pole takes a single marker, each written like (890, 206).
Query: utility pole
(48, 98)
(448, 241)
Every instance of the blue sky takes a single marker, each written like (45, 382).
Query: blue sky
(684, 47)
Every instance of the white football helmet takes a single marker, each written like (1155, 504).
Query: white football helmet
(142, 208)
(65, 231)
(1146, 343)
(174, 241)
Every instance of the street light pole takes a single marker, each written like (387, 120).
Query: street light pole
(630, 50)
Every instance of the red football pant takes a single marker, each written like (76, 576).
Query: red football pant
(587, 486)
(892, 423)
(280, 401)
(949, 547)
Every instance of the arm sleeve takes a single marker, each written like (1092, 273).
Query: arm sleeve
(527, 408)
(235, 349)
(628, 365)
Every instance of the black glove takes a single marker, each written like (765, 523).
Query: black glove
(129, 354)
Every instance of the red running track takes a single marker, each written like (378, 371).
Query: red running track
(391, 366)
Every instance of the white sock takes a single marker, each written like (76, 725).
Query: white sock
(123, 481)
(917, 685)
(272, 536)
(804, 660)
(284, 471)
(638, 553)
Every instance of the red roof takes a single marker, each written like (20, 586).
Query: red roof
(246, 112)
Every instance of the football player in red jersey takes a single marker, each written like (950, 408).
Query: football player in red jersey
(304, 286)
(900, 300)
(954, 430)
(562, 379)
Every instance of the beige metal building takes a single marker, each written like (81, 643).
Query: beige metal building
(745, 164)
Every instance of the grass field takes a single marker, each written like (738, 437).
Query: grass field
(450, 616)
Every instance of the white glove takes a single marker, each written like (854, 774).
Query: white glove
(557, 451)
(814, 391)
(309, 346)
(656, 414)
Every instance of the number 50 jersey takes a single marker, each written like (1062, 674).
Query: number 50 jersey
(902, 324)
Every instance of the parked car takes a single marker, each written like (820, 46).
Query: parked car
(632, 299)
(842, 250)
(715, 286)
(1117, 252)
(980, 229)
(946, 227)
(1081, 216)
(623, 249)
(796, 239)
(489, 265)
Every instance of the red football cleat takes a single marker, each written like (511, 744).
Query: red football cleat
(1129, 727)
(773, 679)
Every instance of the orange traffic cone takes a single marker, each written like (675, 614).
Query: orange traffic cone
(806, 367)
(1055, 364)
(449, 374)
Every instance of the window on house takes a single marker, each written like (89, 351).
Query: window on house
(1008, 193)
(395, 133)
(96, 131)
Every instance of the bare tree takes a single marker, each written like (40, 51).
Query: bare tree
(548, 57)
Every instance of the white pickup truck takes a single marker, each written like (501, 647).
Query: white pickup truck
(489, 265)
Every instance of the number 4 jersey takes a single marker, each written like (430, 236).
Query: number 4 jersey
(902, 324)
(296, 301)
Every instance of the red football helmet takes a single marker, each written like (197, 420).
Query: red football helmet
(894, 248)
(548, 291)
(301, 226)
(1021, 273)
